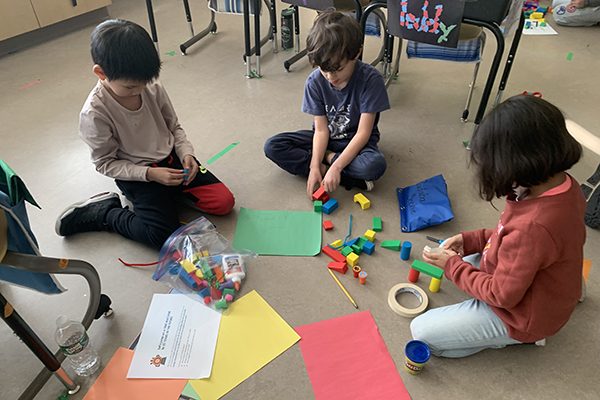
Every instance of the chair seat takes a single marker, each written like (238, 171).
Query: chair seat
(468, 50)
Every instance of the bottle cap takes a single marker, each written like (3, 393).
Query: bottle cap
(62, 321)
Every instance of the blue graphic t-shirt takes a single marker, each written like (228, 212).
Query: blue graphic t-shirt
(364, 93)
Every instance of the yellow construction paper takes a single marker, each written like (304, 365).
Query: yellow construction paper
(250, 337)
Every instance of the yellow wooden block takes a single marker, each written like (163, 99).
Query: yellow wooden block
(362, 200)
(352, 259)
(205, 253)
(187, 265)
(370, 235)
(536, 15)
(199, 274)
(337, 243)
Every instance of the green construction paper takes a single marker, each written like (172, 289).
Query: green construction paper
(189, 391)
(279, 233)
(222, 152)
(570, 56)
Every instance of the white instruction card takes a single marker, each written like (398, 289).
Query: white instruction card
(178, 340)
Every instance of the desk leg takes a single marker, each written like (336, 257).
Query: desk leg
(152, 24)
(511, 59)
(297, 28)
(188, 16)
(248, 54)
(274, 26)
(257, 34)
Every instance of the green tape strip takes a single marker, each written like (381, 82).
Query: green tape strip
(570, 56)
(222, 152)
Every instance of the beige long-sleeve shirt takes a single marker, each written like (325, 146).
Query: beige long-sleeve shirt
(123, 143)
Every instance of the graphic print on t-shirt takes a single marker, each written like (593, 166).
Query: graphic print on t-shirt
(338, 121)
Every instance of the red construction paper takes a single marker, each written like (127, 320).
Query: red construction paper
(346, 358)
(112, 384)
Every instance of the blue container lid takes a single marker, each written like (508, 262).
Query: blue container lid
(417, 351)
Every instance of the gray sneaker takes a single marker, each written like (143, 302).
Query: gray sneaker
(591, 191)
(87, 215)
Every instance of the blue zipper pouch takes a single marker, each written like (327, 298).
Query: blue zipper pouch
(424, 204)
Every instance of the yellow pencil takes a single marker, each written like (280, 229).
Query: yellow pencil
(338, 282)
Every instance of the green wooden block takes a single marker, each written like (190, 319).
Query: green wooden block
(318, 206)
(391, 244)
(346, 250)
(427, 269)
(376, 224)
(221, 303)
(357, 249)
(361, 241)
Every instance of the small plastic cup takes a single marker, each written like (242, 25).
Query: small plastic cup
(416, 355)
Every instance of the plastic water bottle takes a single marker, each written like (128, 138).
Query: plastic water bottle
(75, 343)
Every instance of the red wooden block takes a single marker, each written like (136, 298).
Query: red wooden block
(319, 194)
(334, 254)
(327, 225)
(340, 267)
(216, 294)
(325, 198)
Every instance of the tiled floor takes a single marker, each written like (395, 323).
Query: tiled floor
(421, 137)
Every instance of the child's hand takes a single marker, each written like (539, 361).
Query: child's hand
(438, 260)
(332, 179)
(314, 179)
(165, 176)
(455, 243)
(191, 165)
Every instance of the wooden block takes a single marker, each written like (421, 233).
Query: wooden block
(346, 250)
(337, 243)
(370, 235)
(330, 206)
(352, 259)
(333, 254)
(327, 225)
(318, 206)
(427, 269)
(357, 249)
(319, 194)
(340, 267)
(368, 248)
(187, 265)
(376, 224)
(362, 200)
(391, 244)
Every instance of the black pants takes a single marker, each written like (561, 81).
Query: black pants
(154, 217)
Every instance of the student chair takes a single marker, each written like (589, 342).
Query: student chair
(22, 264)
(488, 14)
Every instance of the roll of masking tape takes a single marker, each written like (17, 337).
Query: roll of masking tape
(407, 288)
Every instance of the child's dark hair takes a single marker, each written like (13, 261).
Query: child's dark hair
(333, 38)
(522, 142)
(124, 50)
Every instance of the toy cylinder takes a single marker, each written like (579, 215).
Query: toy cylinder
(356, 270)
(405, 251)
(362, 277)
(413, 275)
(434, 285)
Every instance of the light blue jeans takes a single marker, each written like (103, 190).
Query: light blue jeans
(461, 329)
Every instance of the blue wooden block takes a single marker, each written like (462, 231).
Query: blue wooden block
(351, 242)
(188, 280)
(204, 292)
(369, 248)
(331, 205)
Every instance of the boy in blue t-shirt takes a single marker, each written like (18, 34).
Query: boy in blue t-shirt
(345, 96)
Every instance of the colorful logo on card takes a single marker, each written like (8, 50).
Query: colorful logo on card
(158, 361)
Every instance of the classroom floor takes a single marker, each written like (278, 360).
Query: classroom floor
(422, 136)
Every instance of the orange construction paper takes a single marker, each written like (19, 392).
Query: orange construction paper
(113, 383)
